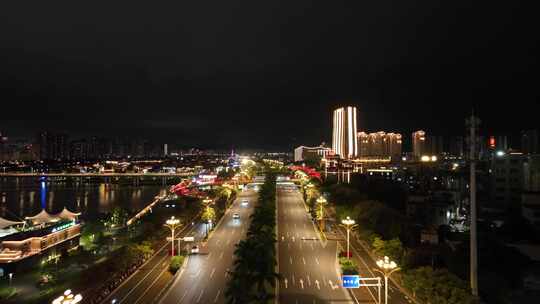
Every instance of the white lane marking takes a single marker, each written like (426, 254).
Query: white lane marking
(144, 278)
(200, 296)
(312, 248)
(290, 260)
(212, 273)
(293, 239)
(317, 261)
(318, 284)
(197, 273)
(185, 293)
(217, 296)
(208, 256)
(293, 280)
(308, 281)
(221, 255)
(286, 283)
(304, 260)
(302, 283)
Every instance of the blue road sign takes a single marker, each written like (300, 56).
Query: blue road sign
(350, 281)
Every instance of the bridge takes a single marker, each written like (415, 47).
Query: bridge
(16, 174)
(108, 177)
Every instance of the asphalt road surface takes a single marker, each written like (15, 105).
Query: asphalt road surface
(308, 266)
(147, 282)
(205, 277)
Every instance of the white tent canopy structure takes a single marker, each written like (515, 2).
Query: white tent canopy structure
(67, 215)
(42, 218)
(7, 223)
(45, 217)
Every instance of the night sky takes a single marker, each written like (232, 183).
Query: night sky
(265, 74)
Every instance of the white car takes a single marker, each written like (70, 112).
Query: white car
(236, 216)
(195, 249)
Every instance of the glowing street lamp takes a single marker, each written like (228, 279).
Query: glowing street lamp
(321, 201)
(387, 267)
(172, 223)
(207, 201)
(349, 224)
(68, 298)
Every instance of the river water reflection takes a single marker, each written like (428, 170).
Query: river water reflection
(20, 197)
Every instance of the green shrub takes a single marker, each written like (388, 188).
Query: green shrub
(348, 267)
(7, 292)
(176, 263)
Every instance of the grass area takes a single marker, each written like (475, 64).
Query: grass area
(7, 292)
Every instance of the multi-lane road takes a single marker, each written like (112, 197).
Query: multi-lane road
(205, 276)
(148, 281)
(308, 265)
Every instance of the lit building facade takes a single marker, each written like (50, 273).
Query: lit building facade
(315, 154)
(419, 143)
(529, 142)
(507, 178)
(379, 144)
(344, 139)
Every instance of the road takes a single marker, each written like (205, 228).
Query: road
(366, 265)
(148, 281)
(205, 277)
(308, 266)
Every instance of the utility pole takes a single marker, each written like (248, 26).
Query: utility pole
(473, 123)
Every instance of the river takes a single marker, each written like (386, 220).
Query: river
(20, 197)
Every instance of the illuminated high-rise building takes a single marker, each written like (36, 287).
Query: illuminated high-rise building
(379, 144)
(419, 143)
(394, 144)
(344, 140)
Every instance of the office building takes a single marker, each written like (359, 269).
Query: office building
(313, 154)
(344, 139)
(455, 146)
(529, 142)
(434, 145)
(419, 144)
(53, 146)
(3, 147)
(379, 144)
(507, 178)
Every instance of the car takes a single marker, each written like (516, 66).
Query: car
(195, 249)
(245, 202)
(236, 216)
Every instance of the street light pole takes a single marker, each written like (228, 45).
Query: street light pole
(387, 267)
(172, 223)
(349, 225)
(321, 201)
(68, 298)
